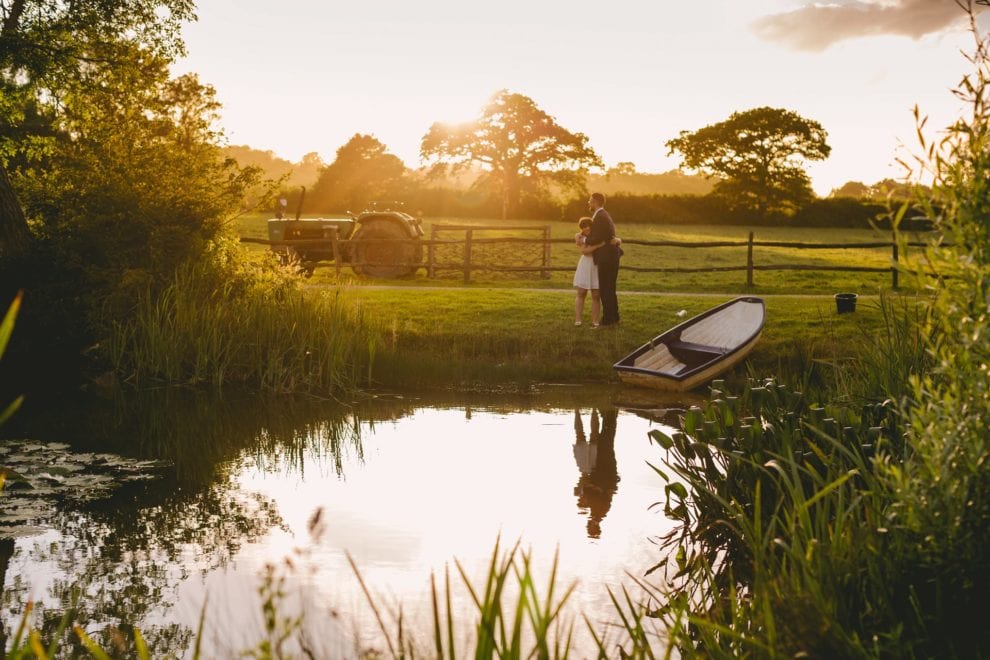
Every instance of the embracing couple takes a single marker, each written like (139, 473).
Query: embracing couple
(598, 269)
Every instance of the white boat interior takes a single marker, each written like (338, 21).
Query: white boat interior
(705, 340)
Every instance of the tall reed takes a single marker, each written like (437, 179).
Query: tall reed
(262, 333)
(779, 503)
(512, 617)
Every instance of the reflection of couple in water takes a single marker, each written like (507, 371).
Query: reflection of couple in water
(595, 457)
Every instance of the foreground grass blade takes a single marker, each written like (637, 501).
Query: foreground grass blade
(91, 646)
(371, 603)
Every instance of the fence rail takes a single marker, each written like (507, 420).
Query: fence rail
(468, 265)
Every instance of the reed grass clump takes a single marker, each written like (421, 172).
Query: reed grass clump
(781, 547)
(513, 616)
(252, 326)
(856, 525)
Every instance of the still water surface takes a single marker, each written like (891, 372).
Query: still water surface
(404, 484)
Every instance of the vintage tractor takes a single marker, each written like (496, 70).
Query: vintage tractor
(381, 222)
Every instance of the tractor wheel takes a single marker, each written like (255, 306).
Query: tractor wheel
(385, 259)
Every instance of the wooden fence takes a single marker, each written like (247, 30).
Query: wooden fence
(467, 265)
(470, 241)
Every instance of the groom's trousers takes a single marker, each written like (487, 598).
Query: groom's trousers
(608, 273)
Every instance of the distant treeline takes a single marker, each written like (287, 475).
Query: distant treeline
(843, 212)
(672, 197)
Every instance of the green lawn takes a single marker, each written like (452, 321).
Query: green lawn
(565, 256)
(457, 337)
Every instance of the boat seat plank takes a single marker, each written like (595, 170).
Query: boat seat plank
(698, 348)
(659, 359)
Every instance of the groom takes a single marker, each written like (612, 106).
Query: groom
(605, 252)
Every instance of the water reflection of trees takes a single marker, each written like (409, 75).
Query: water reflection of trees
(130, 551)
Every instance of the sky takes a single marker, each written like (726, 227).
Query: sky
(303, 76)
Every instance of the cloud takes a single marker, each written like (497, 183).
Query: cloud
(817, 26)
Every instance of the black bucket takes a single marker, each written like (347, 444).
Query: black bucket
(845, 302)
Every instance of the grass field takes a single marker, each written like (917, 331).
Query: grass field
(459, 337)
(565, 256)
(503, 329)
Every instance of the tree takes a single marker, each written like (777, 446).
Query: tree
(363, 171)
(623, 178)
(896, 190)
(521, 148)
(756, 156)
(45, 46)
(134, 183)
(854, 189)
(303, 173)
(625, 168)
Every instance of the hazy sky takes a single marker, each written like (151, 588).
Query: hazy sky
(304, 75)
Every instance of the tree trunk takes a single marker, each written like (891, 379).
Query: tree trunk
(14, 233)
(510, 194)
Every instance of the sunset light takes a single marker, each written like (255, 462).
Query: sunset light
(526, 329)
(306, 76)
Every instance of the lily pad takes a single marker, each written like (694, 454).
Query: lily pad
(48, 476)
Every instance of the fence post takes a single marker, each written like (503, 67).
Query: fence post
(749, 261)
(894, 258)
(468, 234)
(545, 274)
(431, 254)
(336, 250)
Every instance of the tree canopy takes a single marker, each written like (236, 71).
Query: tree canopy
(523, 150)
(623, 178)
(135, 183)
(881, 190)
(292, 175)
(363, 171)
(756, 157)
(48, 48)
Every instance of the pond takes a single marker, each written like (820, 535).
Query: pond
(405, 485)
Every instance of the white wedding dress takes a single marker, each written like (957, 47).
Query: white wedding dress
(586, 275)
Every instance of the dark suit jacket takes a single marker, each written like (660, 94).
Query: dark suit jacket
(603, 231)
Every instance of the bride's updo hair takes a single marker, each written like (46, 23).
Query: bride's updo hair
(584, 222)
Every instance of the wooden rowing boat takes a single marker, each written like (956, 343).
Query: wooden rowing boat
(698, 349)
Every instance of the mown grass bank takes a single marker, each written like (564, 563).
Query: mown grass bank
(475, 336)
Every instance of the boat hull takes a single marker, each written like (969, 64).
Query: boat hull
(697, 350)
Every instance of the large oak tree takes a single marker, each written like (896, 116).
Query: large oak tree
(46, 47)
(756, 157)
(522, 149)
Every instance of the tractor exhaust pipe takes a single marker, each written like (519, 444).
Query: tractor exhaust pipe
(302, 196)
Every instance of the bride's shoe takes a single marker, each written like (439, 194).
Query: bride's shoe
(577, 323)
